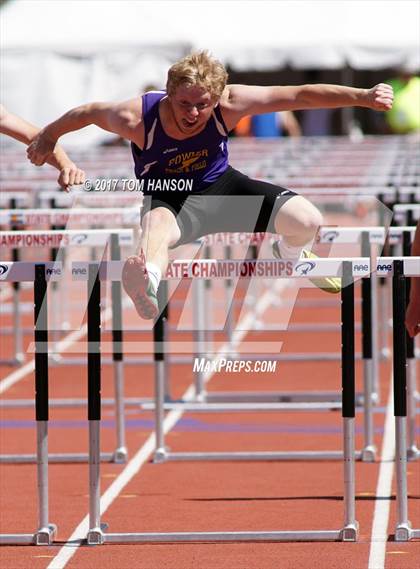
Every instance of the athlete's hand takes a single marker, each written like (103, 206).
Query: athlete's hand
(71, 175)
(41, 148)
(380, 97)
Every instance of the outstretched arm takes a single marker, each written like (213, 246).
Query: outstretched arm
(123, 119)
(239, 100)
(25, 132)
(412, 317)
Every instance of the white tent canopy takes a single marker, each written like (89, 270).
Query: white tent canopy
(257, 34)
(81, 50)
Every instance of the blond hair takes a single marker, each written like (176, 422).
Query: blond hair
(198, 69)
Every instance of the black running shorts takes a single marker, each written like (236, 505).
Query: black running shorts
(234, 203)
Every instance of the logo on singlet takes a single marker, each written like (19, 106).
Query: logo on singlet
(167, 150)
(187, 162)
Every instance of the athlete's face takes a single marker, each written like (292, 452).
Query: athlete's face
(192, 107)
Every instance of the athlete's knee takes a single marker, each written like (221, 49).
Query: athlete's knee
(310, 219)
(298, 216)
(159, 218)
(160, 223)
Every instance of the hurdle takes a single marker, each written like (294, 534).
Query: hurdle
(96, 535)
(38, 274)
(368, 238)
(403, 529)
(78, 238)
(179, 269)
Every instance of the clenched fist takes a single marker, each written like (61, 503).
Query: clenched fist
(71, 175)
(380, 97)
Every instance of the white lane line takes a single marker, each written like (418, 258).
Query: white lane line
(134, 465)
(379, 534)
(132, 468)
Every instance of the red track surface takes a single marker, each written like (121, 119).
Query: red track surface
(205, 496)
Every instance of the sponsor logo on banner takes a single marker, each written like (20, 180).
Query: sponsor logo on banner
(78, 271)
(3, 270)
(377, 237)
(17, 219)
(384, 268)
(79, 238)
(124, 238)
(330, 236)
(53, 272)
(304, 268)
(360, 269)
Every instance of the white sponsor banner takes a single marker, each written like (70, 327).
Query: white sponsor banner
(65, 238)
(231, 269)
(21, 271)
(395, 234)
(111, 216)
(102, 199)
(350, 235)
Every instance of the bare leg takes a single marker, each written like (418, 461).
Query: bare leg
(159, 232)
(297, 221)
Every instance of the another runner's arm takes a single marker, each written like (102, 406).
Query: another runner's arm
(247, 99)
(14, 126)
(122, 119)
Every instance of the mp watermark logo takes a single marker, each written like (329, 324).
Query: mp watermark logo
(205, 365)
(304, 268)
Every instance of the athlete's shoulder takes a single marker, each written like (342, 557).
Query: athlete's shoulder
(128, 116)
(232, 104)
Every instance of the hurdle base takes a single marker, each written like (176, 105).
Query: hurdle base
(161, 455)
(403, 532)
(120, 455)
(213, 537)
(17, 539)
(368, 454)
(19, 359)
(282, 397)
(52, 458)
(45, 535)
(350, 532)
(165, 455)
(95, 536)
(385, 353)
(197, 407)
(413, 453)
